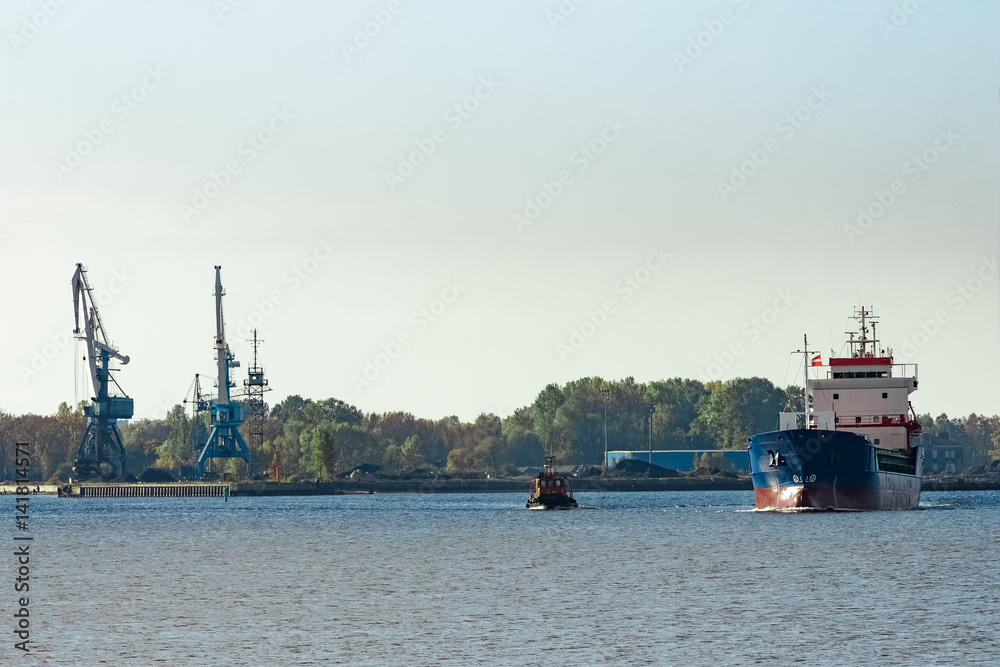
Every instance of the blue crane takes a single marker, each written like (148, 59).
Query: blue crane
(224, 441)
(101, 453)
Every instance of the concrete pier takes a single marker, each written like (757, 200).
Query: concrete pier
(173, 490)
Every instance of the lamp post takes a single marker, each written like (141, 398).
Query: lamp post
(605, 393)
(652, 408)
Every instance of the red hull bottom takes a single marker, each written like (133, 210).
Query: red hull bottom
(827, 496)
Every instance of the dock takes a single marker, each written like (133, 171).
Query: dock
(125, 490)
(260, 489)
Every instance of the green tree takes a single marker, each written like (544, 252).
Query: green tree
(412, 453)
(979, 431)
(342, 446)
(141, 439)
(676, 403)
(794, 399)
(544, 411)
(487, 425)
(524, 447)
(741, 407)
(176, 449)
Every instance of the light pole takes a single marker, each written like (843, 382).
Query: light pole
(652, 408)
(605, 393)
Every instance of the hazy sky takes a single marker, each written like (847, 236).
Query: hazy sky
(499, 195)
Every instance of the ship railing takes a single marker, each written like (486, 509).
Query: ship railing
(859, 419)
(894, 371)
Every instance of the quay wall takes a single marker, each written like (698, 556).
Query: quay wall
(580, 485)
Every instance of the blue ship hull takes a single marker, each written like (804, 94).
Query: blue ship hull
(821, 469)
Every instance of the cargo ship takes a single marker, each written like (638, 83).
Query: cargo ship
(858, 447)
(550, 491)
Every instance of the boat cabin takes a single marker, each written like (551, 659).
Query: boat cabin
(545, 484)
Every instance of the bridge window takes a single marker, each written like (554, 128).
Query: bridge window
(885, 395)
(836, 396)
(876, 441)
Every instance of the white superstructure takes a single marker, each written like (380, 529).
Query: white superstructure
(865, 393)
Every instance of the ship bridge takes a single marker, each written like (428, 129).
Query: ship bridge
(868, 395)
(865, 392)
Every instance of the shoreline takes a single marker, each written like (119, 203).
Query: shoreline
(385, 486)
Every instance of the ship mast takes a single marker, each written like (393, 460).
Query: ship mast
(866, 318)
(805, 376)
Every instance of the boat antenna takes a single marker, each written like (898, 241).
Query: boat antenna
(863, 346)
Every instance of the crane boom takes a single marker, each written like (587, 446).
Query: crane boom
(225, 440)
(101, 453)
(222, 353)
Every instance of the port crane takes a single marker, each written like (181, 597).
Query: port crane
(199, 401)
(225, 440)
(200, 404)
(101, 453)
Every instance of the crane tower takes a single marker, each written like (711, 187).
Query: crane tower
(225, 440)
(100, 453)
(200, 404)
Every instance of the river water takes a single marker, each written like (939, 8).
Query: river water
(459, 579)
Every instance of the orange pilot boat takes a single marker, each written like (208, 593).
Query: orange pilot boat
(550, 491)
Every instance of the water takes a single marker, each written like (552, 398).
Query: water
(644, 578)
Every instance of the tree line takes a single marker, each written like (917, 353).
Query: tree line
(573, 422)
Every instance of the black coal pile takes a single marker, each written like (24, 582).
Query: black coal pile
(363, 469)
(638, 468)
(156, 475)
(420, 473)
(704, 471)
(990, 468)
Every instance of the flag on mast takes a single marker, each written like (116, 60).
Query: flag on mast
(817, 360)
